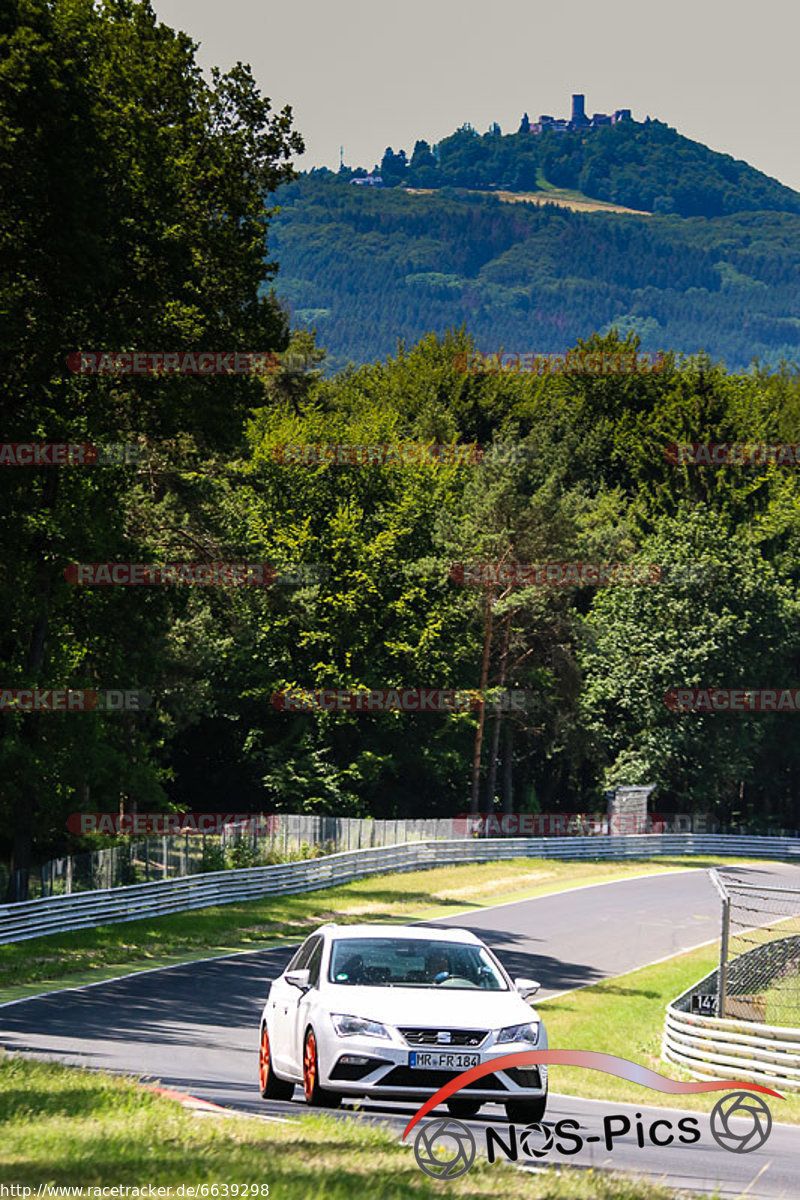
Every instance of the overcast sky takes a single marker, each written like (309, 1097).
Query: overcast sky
(368, 74)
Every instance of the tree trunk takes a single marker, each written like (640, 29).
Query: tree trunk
(508, 763)
(476, 757)
(498, 723)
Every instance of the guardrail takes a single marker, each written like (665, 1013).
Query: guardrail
(82, 910)
(714, 1047)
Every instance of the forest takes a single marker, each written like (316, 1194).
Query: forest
(365, 267)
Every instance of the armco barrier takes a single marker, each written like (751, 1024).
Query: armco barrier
(57, 914)
(718, 1047)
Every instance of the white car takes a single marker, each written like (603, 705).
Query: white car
(393, 1012)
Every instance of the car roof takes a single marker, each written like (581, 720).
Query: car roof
(406, 932)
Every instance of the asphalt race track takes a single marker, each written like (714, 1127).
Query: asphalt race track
(195, 1027)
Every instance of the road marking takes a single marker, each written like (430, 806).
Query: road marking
(609, 978)
(79, 987)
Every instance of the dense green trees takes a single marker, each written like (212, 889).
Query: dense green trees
(590, 482)
(644, 165)
(133, 217)
(638, 164)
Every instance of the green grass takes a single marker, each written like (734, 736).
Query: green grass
(90, 955)
(625, 1016)
(562, 193)
(69, 1127)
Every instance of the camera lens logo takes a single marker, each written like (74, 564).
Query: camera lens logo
(536, 1140)
(444, 1148)
(741, 1106)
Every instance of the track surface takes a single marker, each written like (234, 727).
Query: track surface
(194, 1027)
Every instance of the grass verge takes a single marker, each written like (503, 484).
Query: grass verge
(625, 1016)
(73, 1128)
(90, 955)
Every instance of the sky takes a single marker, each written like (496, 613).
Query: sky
(368, 74)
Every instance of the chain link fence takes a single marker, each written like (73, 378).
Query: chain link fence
(759, 972)
(290, 837)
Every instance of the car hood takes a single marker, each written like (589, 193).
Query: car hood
(445, 1008)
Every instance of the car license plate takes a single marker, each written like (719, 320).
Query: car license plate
(442, 1060)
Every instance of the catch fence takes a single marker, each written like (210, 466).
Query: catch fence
(287, 838)
(56, 914)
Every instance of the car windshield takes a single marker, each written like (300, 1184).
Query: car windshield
(406, 962)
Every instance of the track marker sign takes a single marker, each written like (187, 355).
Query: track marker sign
(705, 1003)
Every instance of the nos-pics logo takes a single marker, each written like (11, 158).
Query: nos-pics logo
(445, 1148)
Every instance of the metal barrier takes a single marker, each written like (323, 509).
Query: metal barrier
(287, 835)
(714, 1047)
(58, 914)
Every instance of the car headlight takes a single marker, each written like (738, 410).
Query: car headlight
(519, 1033)
(347, 1026)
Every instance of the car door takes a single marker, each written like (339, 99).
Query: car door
(305, 1007)
(283, 998)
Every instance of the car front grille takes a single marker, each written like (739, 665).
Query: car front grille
(456, 1037)
(410, 1077)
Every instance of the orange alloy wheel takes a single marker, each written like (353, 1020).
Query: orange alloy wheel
(263, 1060)
(310, 1065)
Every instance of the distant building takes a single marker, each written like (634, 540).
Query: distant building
(579, 120)
(369, 181)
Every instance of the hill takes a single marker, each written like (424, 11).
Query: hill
(643, 165)
(367, 266)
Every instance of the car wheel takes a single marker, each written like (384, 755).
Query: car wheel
(526, 1112)
(315, 1095)
(464, 1108)
(272, 1088)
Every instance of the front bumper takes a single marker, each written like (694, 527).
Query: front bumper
(387, 1073)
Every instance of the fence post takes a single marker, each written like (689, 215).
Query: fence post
(722, 973)
(723, 957)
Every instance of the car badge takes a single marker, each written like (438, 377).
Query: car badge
(444, 1036)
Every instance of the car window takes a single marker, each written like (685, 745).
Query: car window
(313, 964)
(406, 962)
(302, 956)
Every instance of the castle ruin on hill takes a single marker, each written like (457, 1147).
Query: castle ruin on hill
(579, 120)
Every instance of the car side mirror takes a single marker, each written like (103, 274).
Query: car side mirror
(527, 987)
(298, 979)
